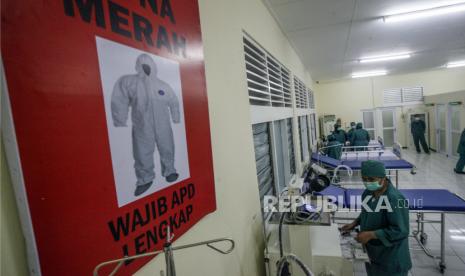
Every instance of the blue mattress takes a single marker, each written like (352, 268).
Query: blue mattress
(399, 164)
(418, 199)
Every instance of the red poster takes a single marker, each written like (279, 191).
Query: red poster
(109, 108)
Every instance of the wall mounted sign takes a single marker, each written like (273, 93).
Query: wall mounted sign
(109, 107)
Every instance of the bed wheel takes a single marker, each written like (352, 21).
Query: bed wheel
(423, 238)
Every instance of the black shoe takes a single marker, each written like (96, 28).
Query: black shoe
(418, 152)
(458, 172)
(172, 177)
(142, 188)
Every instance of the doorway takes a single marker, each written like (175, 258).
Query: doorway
(455, 131)
(369, 122)
(441, 128)
(381, 123)
(424, 117)
(388, 126)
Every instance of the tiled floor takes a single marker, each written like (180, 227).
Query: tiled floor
(435, 171)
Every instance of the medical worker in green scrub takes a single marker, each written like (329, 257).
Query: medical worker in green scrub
(334, 148)
(459, 168)
(384, 231)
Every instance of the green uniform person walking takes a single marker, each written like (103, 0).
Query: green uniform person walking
(334, 148)
(360, 137)
(384, 224)
(459, 168)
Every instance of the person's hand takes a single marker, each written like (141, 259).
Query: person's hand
(364, 237)
(348, 227)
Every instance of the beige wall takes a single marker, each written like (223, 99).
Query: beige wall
(346, 98)
(12, 246)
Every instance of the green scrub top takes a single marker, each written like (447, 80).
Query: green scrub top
(334, 150)
(360, 137)
(350, 133)
(418, 128)
(389, 254)
(341, 136)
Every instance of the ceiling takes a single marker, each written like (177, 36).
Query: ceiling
(331, 36)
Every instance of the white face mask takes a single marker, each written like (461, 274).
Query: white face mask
(417, 119)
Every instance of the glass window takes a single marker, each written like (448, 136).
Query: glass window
(388, 118)
(303, 134)
(368, 119)
(290, 145)
(455, 118)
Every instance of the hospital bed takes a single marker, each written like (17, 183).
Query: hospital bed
(421, 202)
(391, 158)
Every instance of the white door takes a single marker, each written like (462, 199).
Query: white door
(424, 118)
(441, 127)
(455, 131)
(369, 119)
(387, 128)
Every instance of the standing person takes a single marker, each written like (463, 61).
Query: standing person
(418, 128)
(459, 168)
(360, 137)
(340, 134)
(334, 148)
(383, 231)
(350, 133)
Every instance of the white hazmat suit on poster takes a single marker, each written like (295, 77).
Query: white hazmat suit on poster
(152, 101)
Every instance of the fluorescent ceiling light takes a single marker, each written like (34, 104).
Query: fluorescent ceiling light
(456, 64)
(424, 13)
(368, 74)
(384, 58)
(457, 238)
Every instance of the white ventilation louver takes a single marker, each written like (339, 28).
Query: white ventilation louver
(301, 94)
(268, 81)
(412, 94)
(392, 96)
(403, 96)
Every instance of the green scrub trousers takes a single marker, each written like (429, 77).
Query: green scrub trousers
(460, 164)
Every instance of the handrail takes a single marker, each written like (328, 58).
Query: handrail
(168, 253)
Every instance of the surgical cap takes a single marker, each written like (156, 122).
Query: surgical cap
(373, 168)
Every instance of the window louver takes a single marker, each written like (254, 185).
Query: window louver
(403, 95)
(263, 159)
(286, 77)
(301, 94)
(412, 94)
(268, 82)
(257, 76)
(392, 96)
(290, 144)
(311, 99)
